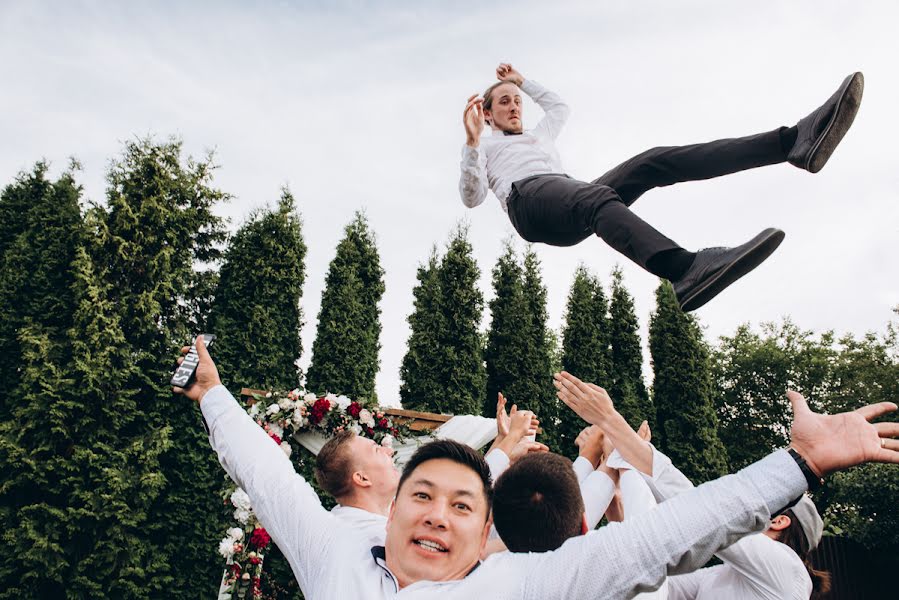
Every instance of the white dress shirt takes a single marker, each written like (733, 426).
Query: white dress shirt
(755, 568)
(332, 562)
(371, 526)
(500, 160)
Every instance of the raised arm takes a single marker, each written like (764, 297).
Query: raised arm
(284, 502)
(473, 180)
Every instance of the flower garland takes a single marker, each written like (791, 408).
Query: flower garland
(282, 415)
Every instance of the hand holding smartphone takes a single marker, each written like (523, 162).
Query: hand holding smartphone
(184, 374)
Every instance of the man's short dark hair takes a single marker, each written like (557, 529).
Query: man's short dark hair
(458, 453)
(334, 465)
(537, 503)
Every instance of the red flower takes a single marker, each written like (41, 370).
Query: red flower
(383, 423)
(354, 409)
(255, 560)
(235, 568)
(260, 538)
(319, 409)
(275, 437)
(369, 431)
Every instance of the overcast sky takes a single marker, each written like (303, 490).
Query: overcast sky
(358, 105)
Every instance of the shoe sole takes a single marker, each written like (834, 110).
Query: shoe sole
(847, 107)
(765, 244)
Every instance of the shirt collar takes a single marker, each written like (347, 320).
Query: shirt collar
(379, 554)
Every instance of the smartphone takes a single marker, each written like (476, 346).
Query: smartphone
(184, 374)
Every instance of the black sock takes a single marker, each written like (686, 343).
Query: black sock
(670, 264)
(788, 137)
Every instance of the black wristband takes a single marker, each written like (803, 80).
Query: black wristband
(814, 482)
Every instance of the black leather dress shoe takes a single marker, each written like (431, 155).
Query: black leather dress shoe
(714, 269)
(821, 131)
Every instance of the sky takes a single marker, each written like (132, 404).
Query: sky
(357, 105)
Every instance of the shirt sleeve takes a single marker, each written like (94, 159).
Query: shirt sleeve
(687, 587)
(555, 110)
(473, 180)
(582, 467)
(597, 489)
(677, 537)
(498, 462)
(283, 501)
(772, 569)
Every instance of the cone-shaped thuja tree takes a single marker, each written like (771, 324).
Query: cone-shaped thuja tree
(40, 229)
(686, 425)
(257, 310)
(345, 350)
(585, 347)
(421, 387)
(626, 385)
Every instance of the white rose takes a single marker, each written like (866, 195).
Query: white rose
(242, 516)
(387, 441)
(366, 418)
(235, 533)
(226, 548)
(332, 399)
(343, 402)
(356, 428)
(254, 410)
(276, 429)
(240, 499)
(286, 447)
(309, 398)
(285, 403)
(272, 409)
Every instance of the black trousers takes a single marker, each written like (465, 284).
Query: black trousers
(558, 210)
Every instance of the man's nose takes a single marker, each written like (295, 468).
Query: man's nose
(436, 516)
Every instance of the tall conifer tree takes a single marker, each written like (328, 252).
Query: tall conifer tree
(157, 227)
(40, 228)
(585, 347)
(507, 339)
(421, 388)
(257, 310)
(81, 464)
(627, 387)
(461, 362)
(345, 350)
(686, 425)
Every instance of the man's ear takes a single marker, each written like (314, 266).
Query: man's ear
(485, 535)
(390, 513)
(780, 522)
(488, 117)
(584, 528)
(360, 479)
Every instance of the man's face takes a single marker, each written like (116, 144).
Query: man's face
(438, 524)
(505, 113)
(375, 462)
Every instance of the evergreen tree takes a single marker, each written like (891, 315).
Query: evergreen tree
(539, 394)
(421, 388)
(585, 348)
(626, 386)
(257, 310)
(80, 464)
(686, 425)
(40, 228)
(157, 227)
(461, 361)
(507, 339)
(345, 351)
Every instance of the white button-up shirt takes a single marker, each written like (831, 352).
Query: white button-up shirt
(500, 160)
(331, 561)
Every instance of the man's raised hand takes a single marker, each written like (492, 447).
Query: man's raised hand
(589, 402)
(505, 72)
(590, 444)
(830, 443)
(473, 119)
(206, 376)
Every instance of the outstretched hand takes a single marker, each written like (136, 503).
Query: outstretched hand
(590, 402)
(829, 443)
(590, 443)
(206, 376)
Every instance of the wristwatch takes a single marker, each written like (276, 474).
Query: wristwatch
(814, 482)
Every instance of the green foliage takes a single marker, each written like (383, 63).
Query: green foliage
(443, 370)
(421, 387)
(686, 425)
(626, 386)
(80, 463)
(345, 350)
(585, 348)
(157, 228)
(257, 311)
(40, 228)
